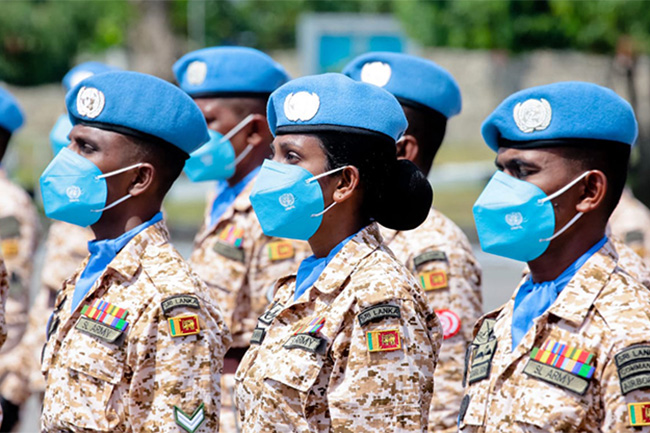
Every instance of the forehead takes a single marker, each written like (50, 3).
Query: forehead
(100, 136)
(540, 157)
(300, 140)
(220, 105)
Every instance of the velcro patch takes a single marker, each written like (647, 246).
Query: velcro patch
(181, 326)
(229, 252)
(98, 329)
(555, 376)
(280, 250)
(308, 342)
(9, 227)
(270, 313)
(433, 280)
(633, 365)
(450, 323)
(189, 423)
(634, 236)
(482, 361)
(429, 256)
(258, 335)
(378, 312)
(10, 248)
(178, 301)
(639, 413)
(383, 341)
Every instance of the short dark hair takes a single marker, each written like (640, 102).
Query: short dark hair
(611, 158)
(5, 136)
(428, 127)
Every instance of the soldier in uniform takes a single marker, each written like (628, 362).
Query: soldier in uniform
(19, 233)
(630, 223)
(569, 352)
(349, 342)
(437, 252)
(65, 249)
(135, 341)
(232, 255)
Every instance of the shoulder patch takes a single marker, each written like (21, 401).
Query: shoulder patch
(258, 336)
(433, 280)
(270, 313)
(9, 227)
(633, 365)
(378, 312)
(429, 256)
(450, 323)
(189, 423)
(308, 342)
(634, 236)
(280, 250)
(181, 326)
(178, 301)
(639, 413)
(383, 341)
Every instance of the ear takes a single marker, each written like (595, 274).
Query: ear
(594, 190)
(142, 180)
(408, 148)
(257, 132)
(347, 184)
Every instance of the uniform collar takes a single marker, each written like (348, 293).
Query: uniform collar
(346, 261)
(578, 296)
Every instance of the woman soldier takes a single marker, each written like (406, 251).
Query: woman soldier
(349, 343)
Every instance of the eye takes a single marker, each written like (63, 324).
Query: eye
(292, 157)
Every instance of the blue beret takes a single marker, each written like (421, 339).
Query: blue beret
(572, 110)
(84, 70)
(229, 71)
(334, 101)
(413, 80)
(11, 116)
(138, 104)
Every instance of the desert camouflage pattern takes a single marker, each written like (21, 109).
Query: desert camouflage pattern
(135, 383)
(630, 223)
(4, 292)
(240, 286)
(19, 234)
(66, 248)
(240, 277)
(603, 311)
(461, 295)
(342, 386)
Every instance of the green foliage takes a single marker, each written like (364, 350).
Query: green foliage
(39, 39)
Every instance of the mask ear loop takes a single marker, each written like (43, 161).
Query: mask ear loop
(113, 173)
(112, 205)
(234, 131)
(557, 194)
(327, 173)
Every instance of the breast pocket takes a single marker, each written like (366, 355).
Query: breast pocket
(94, 369)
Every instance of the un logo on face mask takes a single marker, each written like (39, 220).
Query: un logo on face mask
(514, 220)
(73, 192)
(287, 200)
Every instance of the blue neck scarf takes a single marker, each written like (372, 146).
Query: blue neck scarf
(533, 299)
(101, 254)
(311, 268)
(227, 194)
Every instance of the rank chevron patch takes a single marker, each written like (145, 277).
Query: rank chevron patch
(187, 422)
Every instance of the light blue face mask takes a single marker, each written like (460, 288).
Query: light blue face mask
(59, 133)
(74, 189)
(215, 160)
(515, 218)
(288, 200)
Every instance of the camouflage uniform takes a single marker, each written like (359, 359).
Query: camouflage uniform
(313, 369)
(19, 234)
(576, 370)
(146, 375)
(440, 256)
(239, 264)
(65, 249)
(630, 222)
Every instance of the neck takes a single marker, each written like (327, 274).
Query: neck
(248, 164)
(332, 233)
(113, 225)
(561, 253)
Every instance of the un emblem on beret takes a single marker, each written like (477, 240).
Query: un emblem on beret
(301, 106)
(532, 115)
(377, 73)
(196, 73)
(90, 102)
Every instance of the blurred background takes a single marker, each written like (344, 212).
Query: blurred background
(493, 48)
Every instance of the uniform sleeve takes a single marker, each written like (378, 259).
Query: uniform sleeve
(451, 278)
(625, 390)
(383, 370)
(177, 360)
